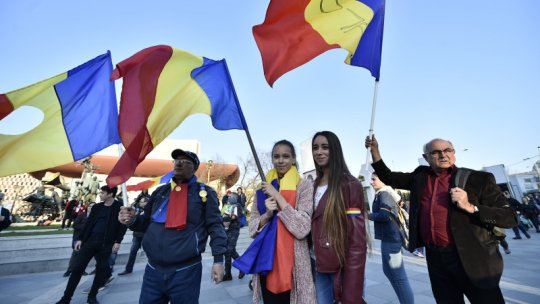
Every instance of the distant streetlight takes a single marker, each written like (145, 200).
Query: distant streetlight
(209, 166)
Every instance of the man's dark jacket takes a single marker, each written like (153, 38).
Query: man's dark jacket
(171, 249)
(472, 233)
(115, 231)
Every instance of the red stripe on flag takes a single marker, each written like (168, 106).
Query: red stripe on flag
(280, 278)
(141, 74)
(286, 40)
(141, 186)
(5, 106)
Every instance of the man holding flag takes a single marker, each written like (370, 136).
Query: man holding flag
(181, 213)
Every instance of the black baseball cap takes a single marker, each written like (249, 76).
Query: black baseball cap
(192, 156)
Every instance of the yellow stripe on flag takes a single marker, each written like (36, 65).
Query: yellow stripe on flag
(177, 96)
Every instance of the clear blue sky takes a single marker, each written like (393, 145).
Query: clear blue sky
(468, 71)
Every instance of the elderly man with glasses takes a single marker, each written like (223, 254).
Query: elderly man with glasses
(452, 213)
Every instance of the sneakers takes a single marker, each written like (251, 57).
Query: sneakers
(241, 275)
(516, 238)
(110, 279)
(66, 274)
(418, 254)
(507, 251)
(87, 290)
(227, 277)
(124, 273)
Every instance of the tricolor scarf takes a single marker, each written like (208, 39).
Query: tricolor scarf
(272, 251)
(173, 211)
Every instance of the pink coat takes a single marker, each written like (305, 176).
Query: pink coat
(298, 222)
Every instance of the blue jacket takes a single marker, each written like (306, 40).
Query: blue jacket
(383, 205)
(169, 249)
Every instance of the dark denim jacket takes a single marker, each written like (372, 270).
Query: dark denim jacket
(385, 228)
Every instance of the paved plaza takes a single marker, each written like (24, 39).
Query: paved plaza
(520, 282)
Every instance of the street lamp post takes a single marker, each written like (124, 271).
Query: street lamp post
(209, 166)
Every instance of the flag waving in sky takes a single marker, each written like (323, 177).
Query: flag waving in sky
(161, 87)
(294, 32)
(80, 119)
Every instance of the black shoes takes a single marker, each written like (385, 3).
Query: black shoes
(516, 238)
(92, 300)
(227, 277)
(62, 301)
(241, 275)
(67, 274)
(124, 273)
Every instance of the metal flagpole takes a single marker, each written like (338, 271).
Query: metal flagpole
(372, 124)
(124, 188)
(255, 156)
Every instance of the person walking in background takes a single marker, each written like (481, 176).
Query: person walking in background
(530, 211)
(231, 220)
(384, 215)
(338, 227)
(281, 219)
(516, 206)
(68, 213)
(454, 223)
(101, 235)
(78, 226)
(136, 242)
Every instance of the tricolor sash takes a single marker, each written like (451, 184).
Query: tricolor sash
(272, 251)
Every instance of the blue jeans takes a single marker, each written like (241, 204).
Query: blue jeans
(394, 269)
(135, 246)
(180, 287)
(324, 287)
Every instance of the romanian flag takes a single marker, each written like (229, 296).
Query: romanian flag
(80, 119)
(294, 32)
(161, 87)
(151, 183)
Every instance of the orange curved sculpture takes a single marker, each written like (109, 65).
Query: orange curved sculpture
(148, 168)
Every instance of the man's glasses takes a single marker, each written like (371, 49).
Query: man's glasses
(441, 152)
(182, 161)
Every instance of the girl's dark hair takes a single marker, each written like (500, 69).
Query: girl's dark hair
(335, 217)
(285, 142)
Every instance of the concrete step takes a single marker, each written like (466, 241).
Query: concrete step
(32, 254)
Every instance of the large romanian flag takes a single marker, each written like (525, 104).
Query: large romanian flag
(80, 119)
(161, 87)
(294, 32)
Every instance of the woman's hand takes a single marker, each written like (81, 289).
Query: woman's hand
(271, 204)
(269, 190)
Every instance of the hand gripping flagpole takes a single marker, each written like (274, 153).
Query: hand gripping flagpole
(244, 123)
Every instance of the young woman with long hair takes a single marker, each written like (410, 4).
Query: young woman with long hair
(281, 214)
(338, 225)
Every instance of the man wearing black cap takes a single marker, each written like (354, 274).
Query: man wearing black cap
(177, 221)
